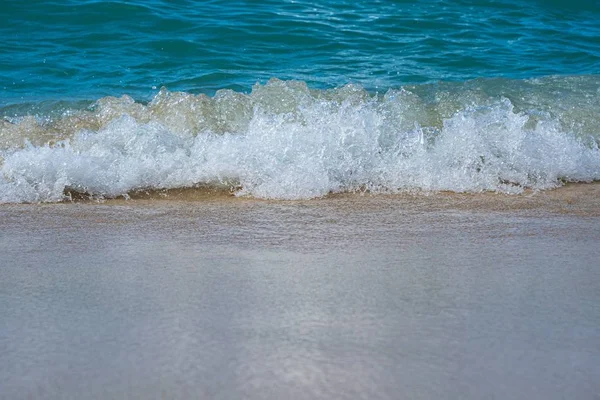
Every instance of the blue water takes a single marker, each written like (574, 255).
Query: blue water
(276, 74)
(88, 48)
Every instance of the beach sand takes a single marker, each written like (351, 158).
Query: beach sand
(197, 294)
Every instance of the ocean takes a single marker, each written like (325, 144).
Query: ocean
(299, 199)
(294, 99)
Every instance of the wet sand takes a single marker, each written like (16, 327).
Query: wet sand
(196, 294)
(573, 198)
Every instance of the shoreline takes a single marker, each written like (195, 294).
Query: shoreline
(573, 198)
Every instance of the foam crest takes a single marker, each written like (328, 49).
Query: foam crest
(284, 141)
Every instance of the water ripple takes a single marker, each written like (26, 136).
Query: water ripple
(87, 49)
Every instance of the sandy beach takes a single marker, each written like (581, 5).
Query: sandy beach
(321, 200)
(195, 294)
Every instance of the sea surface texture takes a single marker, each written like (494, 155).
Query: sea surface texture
(296, 99)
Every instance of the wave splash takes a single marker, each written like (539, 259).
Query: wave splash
(285, 141)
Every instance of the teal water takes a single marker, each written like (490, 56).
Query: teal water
(383, 96)
(88, 49)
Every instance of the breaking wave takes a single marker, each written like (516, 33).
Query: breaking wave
(286, 141)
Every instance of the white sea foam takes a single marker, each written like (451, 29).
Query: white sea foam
(295, 145)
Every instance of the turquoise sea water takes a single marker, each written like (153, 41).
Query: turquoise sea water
(383, 95)
(88, 48)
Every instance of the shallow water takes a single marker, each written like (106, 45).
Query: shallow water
(345, 297)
